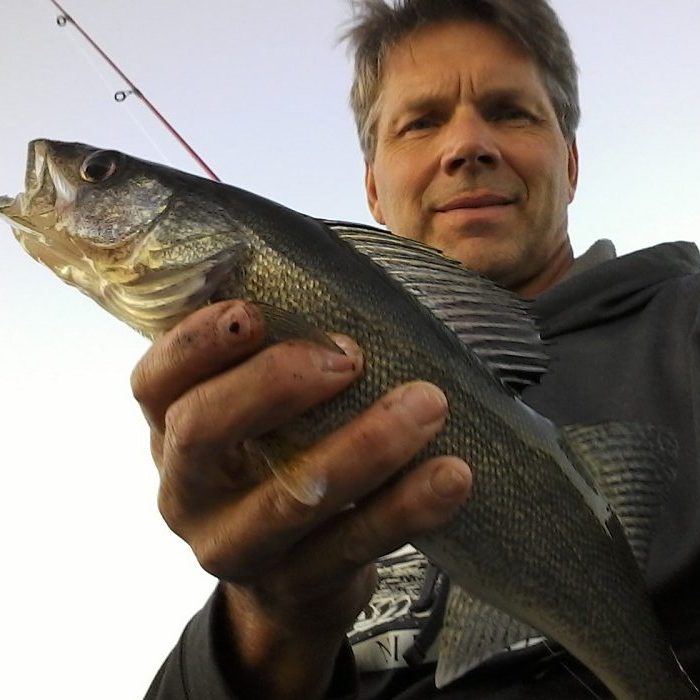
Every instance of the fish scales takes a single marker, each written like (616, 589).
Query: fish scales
(398, 349)
(536, 539)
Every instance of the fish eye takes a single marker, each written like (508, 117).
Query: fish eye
(97, 167)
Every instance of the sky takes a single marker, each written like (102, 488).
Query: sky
(95, 589)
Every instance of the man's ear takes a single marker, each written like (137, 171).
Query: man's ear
(573, 169)
(371, 192)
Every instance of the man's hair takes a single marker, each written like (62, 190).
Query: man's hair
(377, 27)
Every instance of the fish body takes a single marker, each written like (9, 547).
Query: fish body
(538, 540)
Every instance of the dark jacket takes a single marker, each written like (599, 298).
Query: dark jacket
(624, 338)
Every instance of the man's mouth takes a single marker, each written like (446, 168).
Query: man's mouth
(476, 200)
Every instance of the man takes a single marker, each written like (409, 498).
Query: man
(467, 112)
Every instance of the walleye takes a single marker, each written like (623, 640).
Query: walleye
(538, 545)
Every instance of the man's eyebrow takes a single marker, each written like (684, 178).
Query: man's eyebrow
(427, 99)
(509, 94)
(420, 101)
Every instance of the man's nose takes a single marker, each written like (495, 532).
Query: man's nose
(469, 144)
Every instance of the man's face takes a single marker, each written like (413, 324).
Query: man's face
(470, 158)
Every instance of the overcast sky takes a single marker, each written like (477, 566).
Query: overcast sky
(95, 589)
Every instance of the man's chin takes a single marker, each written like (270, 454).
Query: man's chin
(485, 254)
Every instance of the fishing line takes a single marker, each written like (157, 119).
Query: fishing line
(79, 46)
(571, 672)
(63, 19)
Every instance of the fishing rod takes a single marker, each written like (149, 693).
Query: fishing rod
(63, 19)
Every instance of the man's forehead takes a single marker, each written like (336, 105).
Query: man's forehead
(471, 47)
(420, 98)
(474, 34)
(430, 82)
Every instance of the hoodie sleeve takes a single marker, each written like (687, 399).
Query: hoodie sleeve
(194, 668)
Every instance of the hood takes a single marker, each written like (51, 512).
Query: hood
(613, 288)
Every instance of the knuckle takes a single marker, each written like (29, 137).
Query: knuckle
(140, 381)
(277, 361)
(156, 444)
(284, 508)
(450, 481)
(172, 508)
(209, 541)
(374, 438)
(273, 373)
(214, 556)
(355, 544)
(180, 345)
(283, 371)
(424, 499)
(191, 332)
(184, 427)
(167, 353)
(219, 552)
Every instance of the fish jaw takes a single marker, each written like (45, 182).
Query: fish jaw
(47, 193)
(35, 228)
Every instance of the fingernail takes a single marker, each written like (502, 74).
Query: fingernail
(235, 322)
(350, 360)
(451, 480)
(426, 403)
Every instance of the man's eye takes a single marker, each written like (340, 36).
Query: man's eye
(512, 114)
(419, 124)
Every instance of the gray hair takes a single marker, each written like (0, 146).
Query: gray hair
(377, 27)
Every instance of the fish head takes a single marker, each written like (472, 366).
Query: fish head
(135, 236)
(80, 198)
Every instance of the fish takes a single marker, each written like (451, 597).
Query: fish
(539, 547)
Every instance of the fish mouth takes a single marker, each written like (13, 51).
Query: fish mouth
(47, 191)
(35, 215)
(36, 186)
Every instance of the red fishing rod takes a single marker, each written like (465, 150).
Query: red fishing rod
(63, 19)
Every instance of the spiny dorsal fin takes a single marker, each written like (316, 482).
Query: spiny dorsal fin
(493, 322)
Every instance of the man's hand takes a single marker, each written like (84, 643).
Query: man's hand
(294, 576)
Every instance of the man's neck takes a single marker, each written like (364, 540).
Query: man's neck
(557, 267)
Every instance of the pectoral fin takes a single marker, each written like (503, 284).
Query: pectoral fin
(284, 325)
(278, 455)
(282, 451)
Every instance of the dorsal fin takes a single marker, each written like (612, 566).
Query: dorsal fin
(494, 323)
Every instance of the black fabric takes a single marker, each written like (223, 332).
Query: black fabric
(192, 671)
(624, 337)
